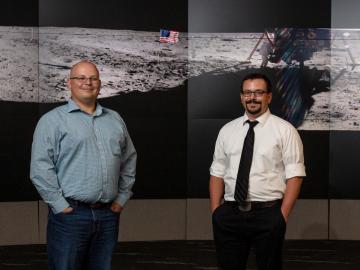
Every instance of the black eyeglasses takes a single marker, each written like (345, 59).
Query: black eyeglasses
(83, 79)
(257, 93)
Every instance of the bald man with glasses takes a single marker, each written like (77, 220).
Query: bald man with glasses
(83, 165)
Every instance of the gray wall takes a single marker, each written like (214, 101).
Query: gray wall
(148, 220)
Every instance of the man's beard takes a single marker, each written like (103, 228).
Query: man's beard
(253, 112)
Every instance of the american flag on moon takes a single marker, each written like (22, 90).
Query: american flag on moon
(169, 36)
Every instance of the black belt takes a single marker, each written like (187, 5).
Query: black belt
(247, 206)
(96, 205)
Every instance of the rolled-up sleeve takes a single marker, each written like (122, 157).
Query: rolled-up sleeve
(293, 155)
(218, 165)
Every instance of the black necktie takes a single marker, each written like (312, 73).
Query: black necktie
(242, 180)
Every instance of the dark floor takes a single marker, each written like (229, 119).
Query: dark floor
(176, 255)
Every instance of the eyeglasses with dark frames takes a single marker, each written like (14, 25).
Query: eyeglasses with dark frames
(256, 93)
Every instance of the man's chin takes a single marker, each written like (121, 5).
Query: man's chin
(253, 108)
(254, 112)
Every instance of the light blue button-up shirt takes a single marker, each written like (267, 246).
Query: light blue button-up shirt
(89, 158)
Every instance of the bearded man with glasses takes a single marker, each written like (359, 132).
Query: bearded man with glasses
(257, 172)
(83, 165)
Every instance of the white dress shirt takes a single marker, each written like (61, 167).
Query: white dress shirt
(278, 155)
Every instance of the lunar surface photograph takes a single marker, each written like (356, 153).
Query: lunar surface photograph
(316, 70)
(19, 64)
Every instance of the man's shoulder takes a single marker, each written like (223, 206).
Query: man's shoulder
(51, 121)
(54, 113)
(113, 113)
(234, 122)
(229, 126)
(281, 123)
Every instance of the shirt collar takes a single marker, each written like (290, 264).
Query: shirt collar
(261, 119)
(72, 107)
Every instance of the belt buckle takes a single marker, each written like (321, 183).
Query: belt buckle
(97, 205)
(244, 206)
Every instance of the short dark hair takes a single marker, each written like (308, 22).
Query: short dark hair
(253, 76)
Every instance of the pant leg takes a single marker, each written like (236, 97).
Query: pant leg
(68, 237)
(231, 239)
(269, 239)
(104, 240)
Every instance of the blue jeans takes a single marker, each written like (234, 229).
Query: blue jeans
(83, 239)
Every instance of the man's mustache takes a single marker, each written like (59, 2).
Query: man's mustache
(254, 101)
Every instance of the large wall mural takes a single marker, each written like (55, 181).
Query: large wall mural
(314, 70)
